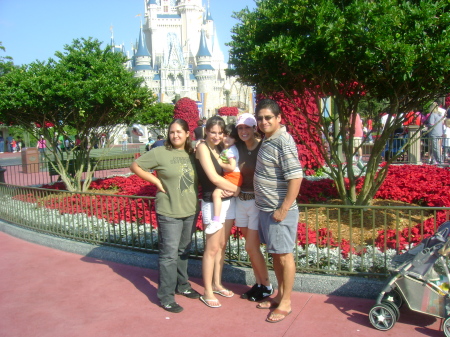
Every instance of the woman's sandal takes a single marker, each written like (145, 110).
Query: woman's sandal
(224, 292)
(212, 303)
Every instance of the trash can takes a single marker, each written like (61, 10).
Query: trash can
(2, 175)
(30, 160)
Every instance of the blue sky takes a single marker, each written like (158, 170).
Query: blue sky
(33, 30)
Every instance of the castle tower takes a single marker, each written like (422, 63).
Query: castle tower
(142, 57)
(178, 53)
(205, 73)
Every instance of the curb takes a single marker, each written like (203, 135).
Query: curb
(348, 286)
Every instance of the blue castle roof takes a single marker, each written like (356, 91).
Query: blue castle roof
(203, 49)
(208, 15)
(142, 49)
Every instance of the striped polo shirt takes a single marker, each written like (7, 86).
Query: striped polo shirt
(277, 163)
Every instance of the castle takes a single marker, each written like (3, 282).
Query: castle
(178, 55)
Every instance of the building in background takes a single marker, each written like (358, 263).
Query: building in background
(178, 55)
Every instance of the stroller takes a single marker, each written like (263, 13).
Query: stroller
(420, 278)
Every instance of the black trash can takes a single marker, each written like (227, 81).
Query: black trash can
(2, 174)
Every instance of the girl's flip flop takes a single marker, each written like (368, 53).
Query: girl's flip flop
(224, 292)
(208, 302)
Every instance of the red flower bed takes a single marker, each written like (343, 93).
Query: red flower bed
(304, 134)
(187, 109)
(424, 185)
(228, 111)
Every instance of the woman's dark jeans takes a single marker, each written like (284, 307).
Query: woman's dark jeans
(175, 237)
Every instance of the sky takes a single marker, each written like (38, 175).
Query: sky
(33, 30)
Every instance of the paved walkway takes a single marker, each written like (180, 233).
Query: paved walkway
(47, 292)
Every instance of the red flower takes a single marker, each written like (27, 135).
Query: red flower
(228, 111)
(425, 185)
(187, 109)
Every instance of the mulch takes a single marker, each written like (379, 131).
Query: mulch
(362, 225)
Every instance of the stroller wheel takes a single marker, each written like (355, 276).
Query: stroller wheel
(393, 307)
(394, 297)
(382, 317)
(446, 327)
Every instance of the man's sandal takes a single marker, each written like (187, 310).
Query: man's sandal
(277, 315)
(267, 305)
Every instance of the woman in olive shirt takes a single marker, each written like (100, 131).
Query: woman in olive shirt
(176, 210)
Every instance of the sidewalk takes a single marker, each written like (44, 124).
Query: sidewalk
(47, 292)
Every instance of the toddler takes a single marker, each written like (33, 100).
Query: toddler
(229, 159)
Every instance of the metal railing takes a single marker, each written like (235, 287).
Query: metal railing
(394, 146)
(334, 239)
(42, 173)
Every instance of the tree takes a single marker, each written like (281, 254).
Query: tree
(394, 53)
(158, 117)
(6, 62)
(87, 88)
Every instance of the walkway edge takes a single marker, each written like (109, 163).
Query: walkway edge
(349, 286)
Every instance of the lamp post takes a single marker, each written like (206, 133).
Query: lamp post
(226, 91)
(177, 94)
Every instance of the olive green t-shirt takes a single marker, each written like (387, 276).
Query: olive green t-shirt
(176, 170)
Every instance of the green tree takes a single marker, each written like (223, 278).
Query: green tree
(87, 89)
(394, 53)
(6, 62)
(158, 117)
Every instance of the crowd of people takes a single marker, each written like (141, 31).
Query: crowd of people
(434, 126)
(10, 144)
(246, 180)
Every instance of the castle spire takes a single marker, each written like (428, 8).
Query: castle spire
(208, 14)
(142, 49)
(203, 49)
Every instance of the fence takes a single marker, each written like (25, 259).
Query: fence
(332, 239)
(423, 147)
(42, 173)
(28, 175)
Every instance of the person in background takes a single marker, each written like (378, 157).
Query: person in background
(14, 145)
(19, 144)
(149, 143)
(278, 176)
(2, 144)
(8, 144)
(176, 210)
(103, 140)
(42, 146)
(370, 130)
(436, 124)
(124, 141)
(199, 131)
(446, 140)
(159, 142)
(357, 136)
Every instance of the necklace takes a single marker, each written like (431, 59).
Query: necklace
(250, 150)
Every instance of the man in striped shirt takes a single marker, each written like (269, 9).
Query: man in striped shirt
(277, 180)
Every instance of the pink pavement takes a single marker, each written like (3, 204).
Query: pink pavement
(48, 292)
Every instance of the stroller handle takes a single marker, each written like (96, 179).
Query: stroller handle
(445, 250)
